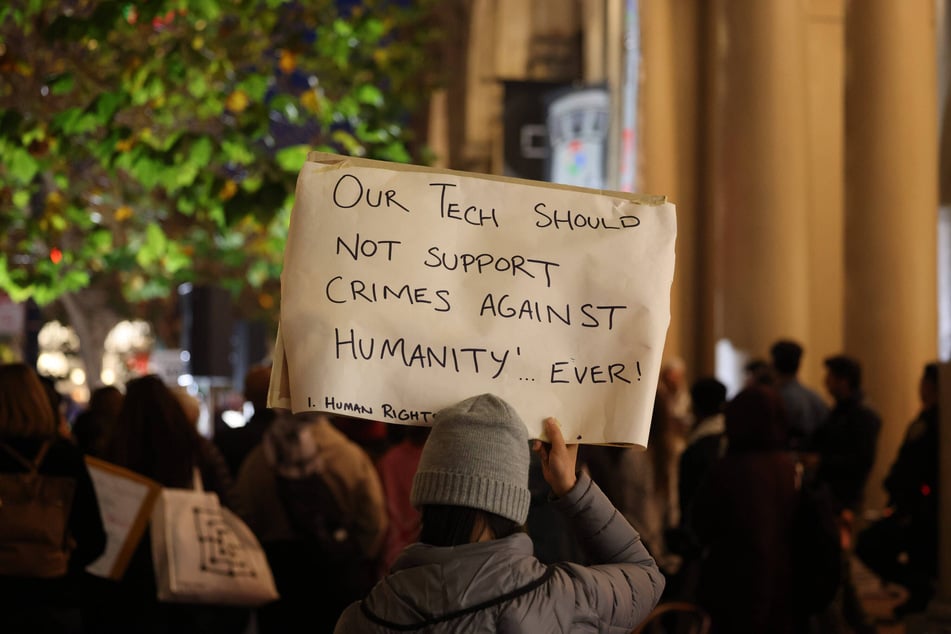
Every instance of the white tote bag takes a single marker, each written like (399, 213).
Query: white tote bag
(204, 553)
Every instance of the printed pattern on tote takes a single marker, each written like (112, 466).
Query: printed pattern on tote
(221, 550)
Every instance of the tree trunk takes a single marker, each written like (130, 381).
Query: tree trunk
(92, 318)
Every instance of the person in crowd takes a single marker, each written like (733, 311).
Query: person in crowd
(94, 424)
(236, 443)
(902, 547)
(396, 467)
(844, 449)
(805, 409)
(314, 500)
(705, 442)
(41, 599)
(743, 515)
(59, 404)
(642, 484)
(675, 390)
(473, 568)
(758, 372)
(154, 437)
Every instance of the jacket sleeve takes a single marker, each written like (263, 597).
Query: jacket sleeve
(623, 584)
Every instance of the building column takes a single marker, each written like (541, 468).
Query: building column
(759, 180)
(667, 128)
(891, 200)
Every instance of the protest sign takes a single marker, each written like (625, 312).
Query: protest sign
(125, 503)
(406, 289)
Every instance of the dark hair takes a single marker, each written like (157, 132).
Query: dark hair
(755, 420)
(257, 381)
(153, 435)
(931, 373)
(845, 367)
(759, 371)
(25, 407)
(708, 396)
(786, 355)
(450, 525)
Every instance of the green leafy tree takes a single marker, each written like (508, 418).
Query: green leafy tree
(153, 143)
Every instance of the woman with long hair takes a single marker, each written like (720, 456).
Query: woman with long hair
(39, 586)
(154, 437)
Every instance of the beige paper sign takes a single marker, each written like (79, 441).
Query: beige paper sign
(125, 502)
(406, 289)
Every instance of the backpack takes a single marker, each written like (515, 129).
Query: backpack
(317, 517)
(816, 550)
(34, 519)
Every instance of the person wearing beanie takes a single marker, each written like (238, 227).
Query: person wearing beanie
(473, 568)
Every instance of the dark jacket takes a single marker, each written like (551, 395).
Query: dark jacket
(131, 604)
(428, 582)
(846, 444)
(912, 481)
(85, 522)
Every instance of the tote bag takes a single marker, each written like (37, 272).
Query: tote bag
(204, 553)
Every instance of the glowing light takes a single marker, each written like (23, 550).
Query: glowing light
(233, 419)
(77, 376)
(108, 376)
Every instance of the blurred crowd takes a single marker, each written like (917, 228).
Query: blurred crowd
(718, 498)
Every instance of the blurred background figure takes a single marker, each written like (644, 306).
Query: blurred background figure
(42, 595)
(706, 444)
(675, 390)
(154, 437)
(397, 466)
(94, 424)
(757, 372)
(642, 485)
(843, 451)
(902, 547)
(314, 499)
(743, 516)
(805, 409)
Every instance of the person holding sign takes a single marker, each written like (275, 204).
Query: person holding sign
(473, 568)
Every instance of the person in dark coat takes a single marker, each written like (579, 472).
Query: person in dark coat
(902, 547)
(844, 449)
(94, 424)
(706, 444)
(155, 438)
(29, 426)
(743, 515)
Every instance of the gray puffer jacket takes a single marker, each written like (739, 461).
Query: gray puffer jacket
(499, 586)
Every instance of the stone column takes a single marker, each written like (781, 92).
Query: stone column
(667, 130)
(759, 180)
(891, 195)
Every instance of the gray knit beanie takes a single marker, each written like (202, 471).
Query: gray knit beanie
(476, 456)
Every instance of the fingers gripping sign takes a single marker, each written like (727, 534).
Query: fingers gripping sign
(558, 459)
